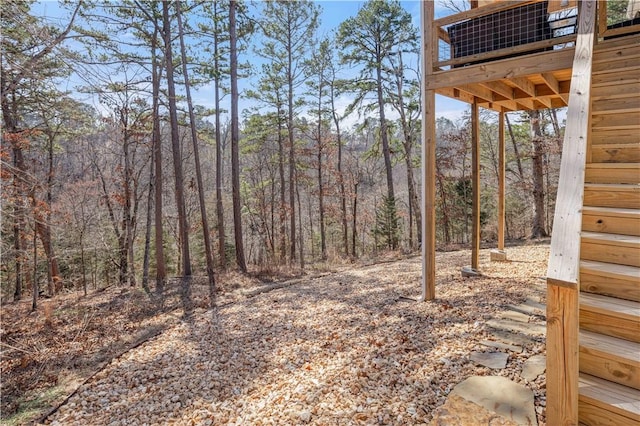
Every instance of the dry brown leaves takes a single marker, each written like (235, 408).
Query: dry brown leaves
(347, 348)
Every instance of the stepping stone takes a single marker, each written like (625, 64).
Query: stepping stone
(515, 316)
(534, 366)
(495, 360)
(511, 338)
(500, 395)
(459, 411)
(530, 307)
(501, 345)
(531, 329)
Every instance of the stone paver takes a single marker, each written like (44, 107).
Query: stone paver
(500, 395)
(495, 360)
(534, 366)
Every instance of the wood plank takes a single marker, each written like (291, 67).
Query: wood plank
(615, 91)
(501, 180)
(628, 121)
(610, 248)
(610, 78)
(610, 316)
(616, 153)
(610, 358)
(481, 11)
(562, 355)
(616, 43)
(564, 258)
(612, 195)
(604, 136)
(611, 220)
(613, 65)
(609, 279)
(616, 53)
(428, 162)
(475, 182)
(613, 173)
(605, 403)
(502, 69)
(629, 104)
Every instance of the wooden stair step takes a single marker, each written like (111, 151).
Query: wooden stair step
(623, 44)
(627, 120)
(616, 54)
(612, 195)
(609, 279)
(610, 358)
(616, 153)
(606, 63)
(609, 136)
(610, 316)
(615, 91)
(625, 76)
(612, 173)
(616, 105)
(611, 248)
(611, 220)
(601, 402)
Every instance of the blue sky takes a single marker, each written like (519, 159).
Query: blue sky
(333, 13)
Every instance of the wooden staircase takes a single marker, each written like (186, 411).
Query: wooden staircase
(609, 299)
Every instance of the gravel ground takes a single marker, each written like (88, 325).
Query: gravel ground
(346, 348)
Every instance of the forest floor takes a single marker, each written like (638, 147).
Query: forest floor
(348, 346)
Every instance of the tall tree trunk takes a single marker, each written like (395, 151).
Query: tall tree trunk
(283, 202)
(323, 241)
(235, 139)
(196, 157)
(183, 228)
(354, 232)
(147, 232)
(219, 152)
(34, 290)
(292, 158)
(161, 269)
(343, 195)
(386, 149)
(538, 228)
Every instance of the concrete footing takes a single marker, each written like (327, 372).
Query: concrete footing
(498, 255)
(468, 271)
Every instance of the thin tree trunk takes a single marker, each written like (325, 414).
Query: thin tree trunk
(34, 290)
(183, 228)
(343, 195)
(161, 270)
(235, 140)
(196, 157)
(147, 233)
(219, 205)
(354, 232)
(283, 205)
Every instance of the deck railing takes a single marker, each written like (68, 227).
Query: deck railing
(506, 29)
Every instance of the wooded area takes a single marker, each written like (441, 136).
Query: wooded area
(146, 183)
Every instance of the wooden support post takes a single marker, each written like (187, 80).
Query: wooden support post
(475, 177)
(562, 353)
(501, 183)
(428, 158)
